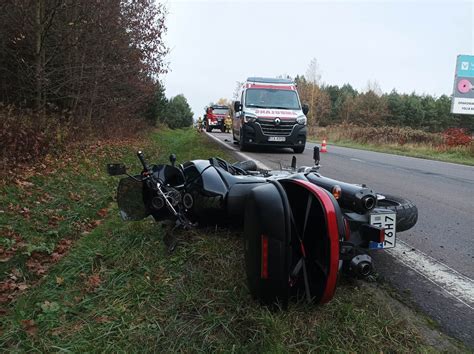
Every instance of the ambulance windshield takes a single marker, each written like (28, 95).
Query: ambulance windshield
(272, 98)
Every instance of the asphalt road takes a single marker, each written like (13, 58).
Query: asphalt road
(433, 266)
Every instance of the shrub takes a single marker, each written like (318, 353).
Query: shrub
(456, 137)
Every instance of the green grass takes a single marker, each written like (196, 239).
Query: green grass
(118, 289)
(455, 155)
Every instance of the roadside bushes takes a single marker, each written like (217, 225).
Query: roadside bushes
(26, 135)
(457, 137)
(379, 135)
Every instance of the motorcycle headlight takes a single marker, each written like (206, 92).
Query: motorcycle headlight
(301, 120)
(250, 118)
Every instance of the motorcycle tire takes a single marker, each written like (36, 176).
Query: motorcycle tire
(298, 150)
(407, 212)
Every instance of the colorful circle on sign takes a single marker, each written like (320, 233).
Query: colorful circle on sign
(464, 86)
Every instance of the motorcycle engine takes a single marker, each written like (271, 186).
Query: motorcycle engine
(171, 194)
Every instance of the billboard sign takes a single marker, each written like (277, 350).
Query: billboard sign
(463, 93)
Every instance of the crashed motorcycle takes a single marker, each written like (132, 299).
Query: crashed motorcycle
(301, 229)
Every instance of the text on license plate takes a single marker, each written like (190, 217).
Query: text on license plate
(276, 138)
(388, 222)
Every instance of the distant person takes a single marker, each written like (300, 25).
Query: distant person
(199, 124)
(228, 124)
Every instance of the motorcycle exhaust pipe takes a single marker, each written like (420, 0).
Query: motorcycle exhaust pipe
(361, 266)
(369, 202)
(353, 197)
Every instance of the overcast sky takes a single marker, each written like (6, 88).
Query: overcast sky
(409, 46)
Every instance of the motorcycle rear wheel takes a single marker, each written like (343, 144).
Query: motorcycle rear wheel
(407, 212)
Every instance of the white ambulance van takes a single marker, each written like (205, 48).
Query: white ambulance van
(269, 113)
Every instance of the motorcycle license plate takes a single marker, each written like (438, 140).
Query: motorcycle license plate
(276, 138)
(387, 221)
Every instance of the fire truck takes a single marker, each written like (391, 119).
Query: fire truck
(215, 116)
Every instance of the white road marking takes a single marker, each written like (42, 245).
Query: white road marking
(448, 279)
(453, 283)
(354, 159)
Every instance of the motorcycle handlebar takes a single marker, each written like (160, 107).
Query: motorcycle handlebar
(141, 157)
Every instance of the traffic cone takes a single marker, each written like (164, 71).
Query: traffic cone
(324, 146)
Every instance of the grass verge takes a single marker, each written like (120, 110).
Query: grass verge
(117, 289)
(461, 155)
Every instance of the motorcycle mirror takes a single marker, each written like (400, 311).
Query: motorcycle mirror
(172, 159)
(316, 156)
(293, 163)
(116, 169)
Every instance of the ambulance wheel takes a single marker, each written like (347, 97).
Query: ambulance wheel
(242, 145)
(298, 150)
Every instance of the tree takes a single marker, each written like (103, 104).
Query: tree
(157, 109)
(396, 110)
(238, 86)
(224, 102)
(98, 60)
(369, 109)
(313, 73)
(340, 110)
(178, 113)
(322, 107)
(374, 86)
(312, 81)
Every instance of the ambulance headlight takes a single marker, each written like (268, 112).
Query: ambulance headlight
(250, 118)
(301, 120)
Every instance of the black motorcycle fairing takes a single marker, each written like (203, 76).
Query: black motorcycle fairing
(208, 191)
(168, 175)
(230, 179)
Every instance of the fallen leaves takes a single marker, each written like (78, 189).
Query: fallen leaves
(12, 286)
(30, 327)
(104, 319)
(25, 212)
(6, 254)
(23, 184)
(74, 196)
(50, 306)
(39, 262)
(36, 264)
(103, 212)
(54, 219)
(93, 282)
